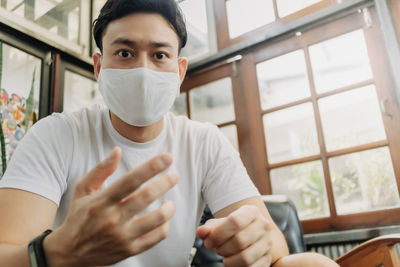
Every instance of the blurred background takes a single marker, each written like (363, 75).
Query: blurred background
(307, 91)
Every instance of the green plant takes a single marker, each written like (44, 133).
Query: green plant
(29, 102)
(2, 140)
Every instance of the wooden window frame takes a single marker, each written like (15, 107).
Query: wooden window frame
(221, 18)
(249, 114)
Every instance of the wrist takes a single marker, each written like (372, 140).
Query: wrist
(56, 255)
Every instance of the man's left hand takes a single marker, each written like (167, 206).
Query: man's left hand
(243, 238)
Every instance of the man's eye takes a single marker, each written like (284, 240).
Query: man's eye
(160, 55)
(124, 54)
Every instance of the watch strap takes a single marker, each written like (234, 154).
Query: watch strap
(36, 253)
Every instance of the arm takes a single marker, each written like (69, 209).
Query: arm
(24, 216)
(101, 227)
(244, 234)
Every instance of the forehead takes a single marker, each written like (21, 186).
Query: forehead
(141, 28)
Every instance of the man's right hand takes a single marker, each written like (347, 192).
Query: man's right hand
(102, 226)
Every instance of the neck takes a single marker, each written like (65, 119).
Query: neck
(134, 133)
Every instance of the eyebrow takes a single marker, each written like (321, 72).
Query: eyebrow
(131, 43)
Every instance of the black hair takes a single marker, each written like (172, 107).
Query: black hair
(116, 9)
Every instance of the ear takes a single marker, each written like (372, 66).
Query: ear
(97, 64)
(183, 65)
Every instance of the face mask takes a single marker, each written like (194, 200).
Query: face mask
(139, 96)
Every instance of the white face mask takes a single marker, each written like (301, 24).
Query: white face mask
(139, 96)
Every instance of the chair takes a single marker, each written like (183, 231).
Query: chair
(284, 214)
(379, 251)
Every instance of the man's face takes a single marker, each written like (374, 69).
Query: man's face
(141, 40)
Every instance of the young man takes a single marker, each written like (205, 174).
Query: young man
(126, 185)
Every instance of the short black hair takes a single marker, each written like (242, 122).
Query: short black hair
(116, 9)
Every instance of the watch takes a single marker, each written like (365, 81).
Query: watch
(36, 254)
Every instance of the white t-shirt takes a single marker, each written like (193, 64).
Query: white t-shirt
(63, 147)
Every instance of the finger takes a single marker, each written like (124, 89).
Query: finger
(241, 240)
(143, 197)
(135, 178)
(93, 180)
(235, 222)
(148, 222)
(266, 260)
(204, 230)
(250, 255)
(150, 239)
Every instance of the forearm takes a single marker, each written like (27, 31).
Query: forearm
(305, 260)
(14, 255)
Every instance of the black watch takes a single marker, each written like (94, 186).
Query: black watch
(36, 252)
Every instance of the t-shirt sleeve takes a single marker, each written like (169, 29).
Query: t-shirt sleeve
(40, 162)
(226, 179)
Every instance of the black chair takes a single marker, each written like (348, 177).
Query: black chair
(284, 214)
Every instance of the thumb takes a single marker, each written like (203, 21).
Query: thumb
(204, 230)
(93, 180)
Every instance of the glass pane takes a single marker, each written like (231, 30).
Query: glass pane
(287, 7)
(80, 92)
(304, 184)
(364, 181)
(19, 97)
(197, 26)
(291, 133)
(61, 17)
(231, 133)
(180, 107)
(283, 80)
(244, 16)
(213, 102)
(97, 5)
(340, 61)
(351, 118)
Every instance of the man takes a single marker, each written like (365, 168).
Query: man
(126, 185)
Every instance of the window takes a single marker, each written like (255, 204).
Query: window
(20, 83)
(80, 92)
(55, 21)
(256, 13)
(327, 141)
(238, 20)
(213, 102)
(200, 27)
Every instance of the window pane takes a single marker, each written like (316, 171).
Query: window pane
(61, 17)
(180, 107)
(364, 181)
(283, 80)
(304, 184)
(340, 61)
(195, 12)
(19, 96)
(231, 133)
(80, 92)
(244, 16)
(287, 7)
(213, 102)
(351, 118)
(291, 133)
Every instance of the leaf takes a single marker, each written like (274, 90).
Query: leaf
(3, 149)
(29, 102)
(1, 61)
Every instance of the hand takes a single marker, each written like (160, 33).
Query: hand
(102, 226)
(243, 238)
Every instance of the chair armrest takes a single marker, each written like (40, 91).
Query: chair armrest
(379, 250)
